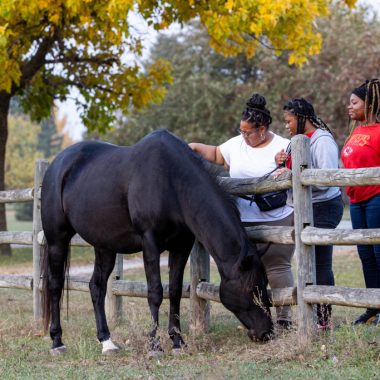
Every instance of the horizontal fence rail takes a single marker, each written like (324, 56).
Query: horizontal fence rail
(139, 289)
(344, 296)
(16, 237)
(341, 177)
(258, 234)
(16, 281)
(16, 196)
(239, 186)
(321, 236)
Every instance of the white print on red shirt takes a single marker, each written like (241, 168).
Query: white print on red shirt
(359, 140)
(347, 151)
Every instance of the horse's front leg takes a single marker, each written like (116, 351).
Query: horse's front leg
(151, 256)
(104, 263)
(177, 263)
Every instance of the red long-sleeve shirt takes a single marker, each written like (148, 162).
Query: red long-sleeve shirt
(362, 150)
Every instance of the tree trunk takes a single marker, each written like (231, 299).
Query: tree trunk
(5, 249)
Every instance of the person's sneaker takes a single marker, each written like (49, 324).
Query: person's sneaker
(376, 321)
(284, 324)
(366, 317)
(324, 326)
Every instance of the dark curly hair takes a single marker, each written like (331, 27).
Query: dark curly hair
(369, 92)
(256, 113)
(304, 110)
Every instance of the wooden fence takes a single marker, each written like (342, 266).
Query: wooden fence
(200, 290)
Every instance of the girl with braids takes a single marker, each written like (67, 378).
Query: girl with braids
(251, 154)
(300, 118)
(362, 150)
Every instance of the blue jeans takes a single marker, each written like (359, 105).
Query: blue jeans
(326, 215)
(367, 215)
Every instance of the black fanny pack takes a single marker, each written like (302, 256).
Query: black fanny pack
(270, 201)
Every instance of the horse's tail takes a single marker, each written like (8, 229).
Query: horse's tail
(45, 289)
(45, 272)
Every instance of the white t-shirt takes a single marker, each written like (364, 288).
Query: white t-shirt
(247, 162)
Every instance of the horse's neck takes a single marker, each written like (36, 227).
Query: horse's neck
(223, 243)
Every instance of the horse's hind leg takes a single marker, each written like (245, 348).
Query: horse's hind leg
(57, 256)
(177, 263)
(151, 256)
(104, 263)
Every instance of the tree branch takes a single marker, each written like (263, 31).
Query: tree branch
(31, 68)
(77, 59)
(78, 84)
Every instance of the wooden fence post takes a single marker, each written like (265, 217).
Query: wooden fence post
(39, 172)
(199, 271)
(303, 217)
(114, 303)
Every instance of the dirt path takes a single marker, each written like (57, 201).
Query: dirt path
(75, 270)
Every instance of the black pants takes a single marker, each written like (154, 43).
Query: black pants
(326, 215)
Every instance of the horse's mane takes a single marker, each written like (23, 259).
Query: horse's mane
(214, 172)
(248, 257)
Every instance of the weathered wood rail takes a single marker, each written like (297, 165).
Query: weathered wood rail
(200, 290)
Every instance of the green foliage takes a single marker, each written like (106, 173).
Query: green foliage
(28, 141)
(49, 140)
(24, 211)
(209, 91)
(21, 153)
(205, 99)
(13, 223)
(349, 55)
(49, 46)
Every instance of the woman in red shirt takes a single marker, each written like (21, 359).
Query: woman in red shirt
(362, 150)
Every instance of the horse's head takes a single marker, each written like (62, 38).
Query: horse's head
(244, 292)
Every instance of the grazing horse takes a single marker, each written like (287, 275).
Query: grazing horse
(153, 196)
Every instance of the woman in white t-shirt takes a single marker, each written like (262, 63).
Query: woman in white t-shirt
(252, 154)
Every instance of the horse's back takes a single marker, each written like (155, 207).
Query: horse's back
(166, 178)
(108, 193)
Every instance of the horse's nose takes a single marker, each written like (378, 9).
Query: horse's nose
(265, 337)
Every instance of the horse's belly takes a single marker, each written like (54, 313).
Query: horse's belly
(127, 243)
(110, 230)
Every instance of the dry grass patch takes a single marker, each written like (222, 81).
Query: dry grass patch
(224, 353)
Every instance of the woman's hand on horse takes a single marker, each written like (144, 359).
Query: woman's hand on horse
(278, 172)
(210, 153)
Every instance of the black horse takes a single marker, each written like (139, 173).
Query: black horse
(153, 196)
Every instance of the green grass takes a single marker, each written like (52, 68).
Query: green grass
(16, 225)
(224, 353)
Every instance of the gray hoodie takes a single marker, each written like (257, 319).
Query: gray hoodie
(324, 155)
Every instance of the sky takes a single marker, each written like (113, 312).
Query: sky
(74, 125)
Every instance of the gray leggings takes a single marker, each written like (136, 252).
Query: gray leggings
(277, 262)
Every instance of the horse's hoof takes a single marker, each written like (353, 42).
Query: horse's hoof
(110, 351)
(58, 350)
(179, 351)
(154, 354)
(109, 347)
